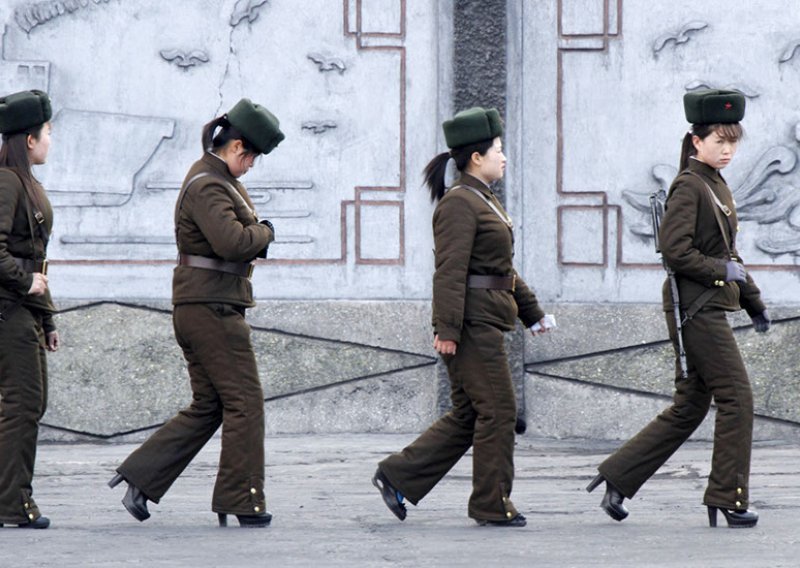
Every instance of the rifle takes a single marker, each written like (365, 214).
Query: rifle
(657, 201)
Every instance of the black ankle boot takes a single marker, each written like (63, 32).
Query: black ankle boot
(248, 521)
(737, 518)
(518, 521)
(135, 502)
(612, 500)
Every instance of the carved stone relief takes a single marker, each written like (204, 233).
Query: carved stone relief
(184, 59)
(327, 62)
(246, 10)
(38, 13)
(682, 35)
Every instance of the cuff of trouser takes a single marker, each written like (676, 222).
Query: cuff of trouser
(29, 506)
(509, 508)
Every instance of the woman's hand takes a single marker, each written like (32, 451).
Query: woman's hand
(53, 341)
(39, 285)
(444, 346)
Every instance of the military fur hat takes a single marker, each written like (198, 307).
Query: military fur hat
(713, 106)
(471, 126)
(257, 124)
(24, 110)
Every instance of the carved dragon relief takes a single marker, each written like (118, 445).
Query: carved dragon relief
(246, 10)
(38, 13)
(765, 196)
(683, 35)
(184, 59)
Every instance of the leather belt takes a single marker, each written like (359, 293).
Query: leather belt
(492, 282)
(30, 265)
(243, 269)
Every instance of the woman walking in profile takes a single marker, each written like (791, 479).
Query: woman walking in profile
(477, 295)
(218, 236)
(698, 242)
(26, 309)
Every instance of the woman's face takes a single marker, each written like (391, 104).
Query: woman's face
(39, 147)
(714, 150)
(492, 165)
(238, 159)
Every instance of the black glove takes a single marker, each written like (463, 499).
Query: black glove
(735, 272)
(263, 253)
(761, 321)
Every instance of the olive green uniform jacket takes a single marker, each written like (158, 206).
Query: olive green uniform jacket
(471, 239)
(693, 245)
(16, 223)
(23, 363)
(216, 224)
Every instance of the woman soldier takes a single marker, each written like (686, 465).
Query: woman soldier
(698, 242)
(26, 309)
(477, 295)
(218, 236)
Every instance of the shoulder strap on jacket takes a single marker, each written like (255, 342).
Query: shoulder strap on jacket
(504, 217)
(719, 207)
(224, 183)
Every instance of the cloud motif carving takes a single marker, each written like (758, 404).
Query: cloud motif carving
(318, 126)
(789, 53)
(327, 63)
(678, 37)
(184, 59)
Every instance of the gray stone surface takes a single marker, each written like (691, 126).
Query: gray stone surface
(559, 408)
(120, 371)
(326, 513)
(770, 359)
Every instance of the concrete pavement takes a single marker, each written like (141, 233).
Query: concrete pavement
(326, 512)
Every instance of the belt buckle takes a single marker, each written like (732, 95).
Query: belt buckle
(514, 283)
(250, 269)
(44, 267)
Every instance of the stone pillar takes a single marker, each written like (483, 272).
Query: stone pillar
(479, 79)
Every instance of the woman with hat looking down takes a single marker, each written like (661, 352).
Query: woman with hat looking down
(698, 242)
(477, 296)
(219, 236)
(26, 309)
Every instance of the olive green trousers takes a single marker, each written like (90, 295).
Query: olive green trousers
(226, 391)
(716, 370)
(483, 417)
(23, 401)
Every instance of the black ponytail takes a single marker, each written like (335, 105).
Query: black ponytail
(227, 133)
(434, 175)
(435, 170)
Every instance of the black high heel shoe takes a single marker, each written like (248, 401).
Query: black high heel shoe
(737, 519)
(247, 521)
(612, 500)
(391, 496)
(135, 502)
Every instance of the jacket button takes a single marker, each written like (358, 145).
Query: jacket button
(257, 509)
(30, 516)
(509, 515)
(253, 491)
(738, 504)
(738, 490)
